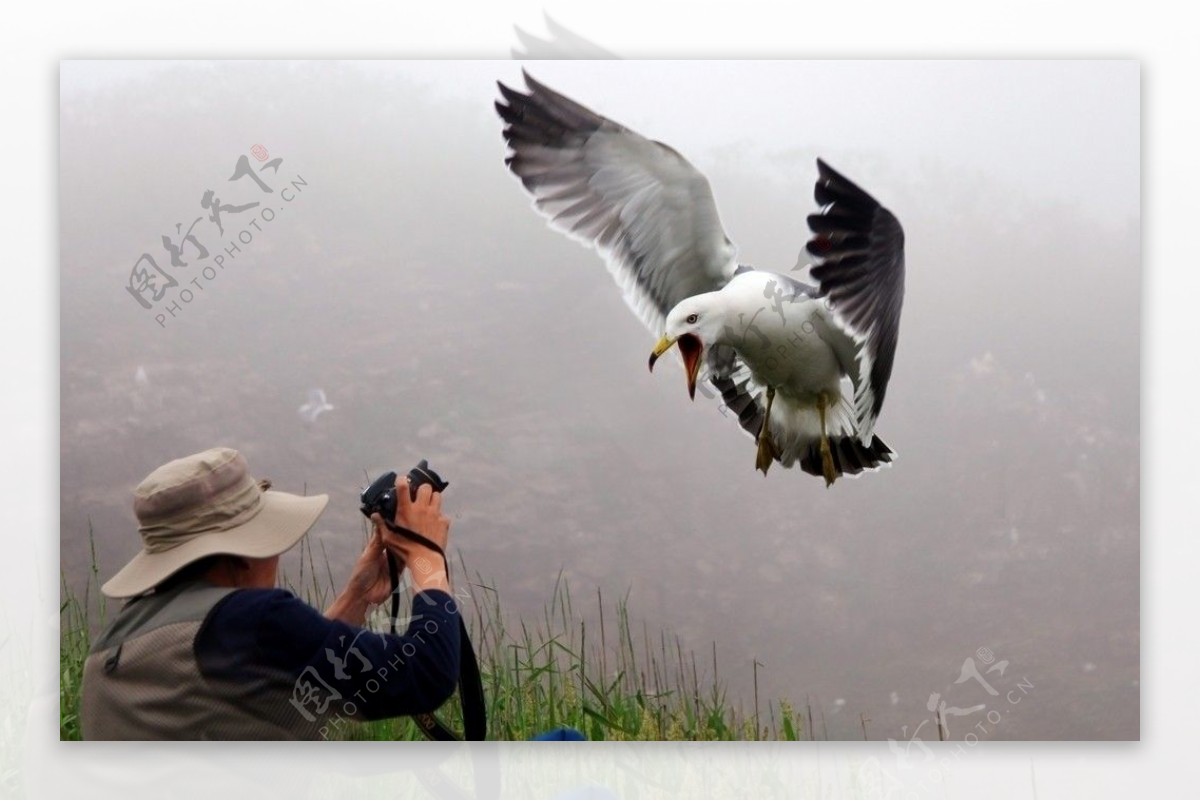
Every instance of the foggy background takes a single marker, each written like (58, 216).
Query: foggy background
(409, 278)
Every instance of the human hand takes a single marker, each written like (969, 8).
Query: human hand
(370, 584)
(423, 516)
(369, 580)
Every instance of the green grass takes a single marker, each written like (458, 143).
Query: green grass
(612, 679)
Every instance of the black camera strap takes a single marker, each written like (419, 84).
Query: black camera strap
(470, 682)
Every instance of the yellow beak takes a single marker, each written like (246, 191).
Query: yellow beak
(662, 347)
(690, 347)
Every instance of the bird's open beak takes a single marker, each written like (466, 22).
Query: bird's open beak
(691, 349)
(662, 347)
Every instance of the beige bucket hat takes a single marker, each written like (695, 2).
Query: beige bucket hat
(206, 504)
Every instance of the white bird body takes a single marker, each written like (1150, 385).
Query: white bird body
(786, 346)
(787, 340)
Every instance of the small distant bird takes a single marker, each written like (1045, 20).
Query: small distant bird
(774, 348)
(316, 404)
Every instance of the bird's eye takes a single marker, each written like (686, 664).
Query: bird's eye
(691, 318)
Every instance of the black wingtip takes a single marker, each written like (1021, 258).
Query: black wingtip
(825, 172)
(829, 173)
(510, 94)
(536, 87)
(832, 186)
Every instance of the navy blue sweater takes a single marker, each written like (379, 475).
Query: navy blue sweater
(251, 633)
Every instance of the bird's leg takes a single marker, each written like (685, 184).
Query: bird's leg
(827, 466)
(765, 451)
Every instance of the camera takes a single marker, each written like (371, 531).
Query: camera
(381, 495)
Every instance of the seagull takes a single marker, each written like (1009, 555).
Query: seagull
(316, 404)
(774, 348)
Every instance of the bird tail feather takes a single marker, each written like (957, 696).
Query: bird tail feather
(850, 456)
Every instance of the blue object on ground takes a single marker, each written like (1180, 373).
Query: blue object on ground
(561, 733)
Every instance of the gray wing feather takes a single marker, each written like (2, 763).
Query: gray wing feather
(648, 211)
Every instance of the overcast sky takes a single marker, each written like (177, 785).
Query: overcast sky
(1067, 130)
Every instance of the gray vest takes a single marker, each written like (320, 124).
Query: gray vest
(141, 680)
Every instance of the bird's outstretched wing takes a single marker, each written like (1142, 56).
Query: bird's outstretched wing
(859, 251)
(638, 202)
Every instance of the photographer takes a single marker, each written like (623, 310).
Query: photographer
(207, 648)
